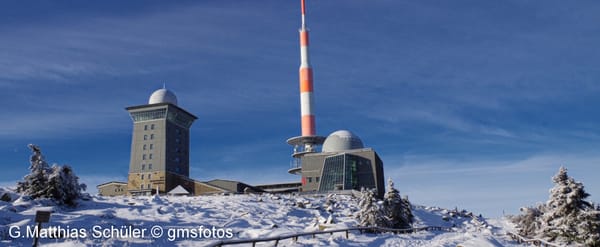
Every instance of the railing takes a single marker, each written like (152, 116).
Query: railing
(331, 232)
(295, 163)
(537, 242)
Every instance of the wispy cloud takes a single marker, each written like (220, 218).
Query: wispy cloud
(504, 183)
(64, 72)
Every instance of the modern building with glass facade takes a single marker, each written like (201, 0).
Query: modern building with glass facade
(343, 164)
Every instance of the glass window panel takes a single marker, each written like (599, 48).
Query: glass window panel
(333, 173)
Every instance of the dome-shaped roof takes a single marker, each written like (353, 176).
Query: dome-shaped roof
(162, 96)
(342, 140)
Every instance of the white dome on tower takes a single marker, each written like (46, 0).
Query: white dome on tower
(342, 140)
(163, 96)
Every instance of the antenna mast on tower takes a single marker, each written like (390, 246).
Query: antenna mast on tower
(308, 141)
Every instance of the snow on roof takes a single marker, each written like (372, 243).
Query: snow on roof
(178, 191)
(111, 182)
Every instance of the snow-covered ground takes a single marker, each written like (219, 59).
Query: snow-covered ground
(99, 220)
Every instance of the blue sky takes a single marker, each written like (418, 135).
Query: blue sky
(473, 104)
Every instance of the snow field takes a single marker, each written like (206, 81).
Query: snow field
(246, 216)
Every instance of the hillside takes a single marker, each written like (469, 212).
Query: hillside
(235, 216)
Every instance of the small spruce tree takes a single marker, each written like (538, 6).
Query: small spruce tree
(35, 184)
(371, 213)
(64, 185)
(528, 222)
(566, 203)
(397, 209)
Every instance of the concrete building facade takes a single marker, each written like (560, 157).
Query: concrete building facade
(160, 145)
(112, 188)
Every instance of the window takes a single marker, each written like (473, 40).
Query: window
(317, 179)
(145, 137)
(177, 140)
(151, 146)
(149, 176)
(309, 179)
(144, 167)
(149, 166)
(141, 187)
(150, 156)
(148, 186)
(152, 126)
(144, 147)
(346, 171)
(143, 156)
(146, 127)
(151, 136)
(142, 176)
(333, 173)
(177, 159)
(148, 115)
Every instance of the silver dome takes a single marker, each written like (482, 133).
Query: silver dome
(342, 140)
(162, 96)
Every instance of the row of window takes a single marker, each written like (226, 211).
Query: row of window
(142, 186)
(151, 137)
(149, 176)
(148, 115)
(144, 156)
(119, 190)
(144, 167)
(151, 127)
(310, 179)
(146, 146)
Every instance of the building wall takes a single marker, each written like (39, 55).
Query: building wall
(142, 182)
(112, 189)
(172, 180)
(312, 166)
(177, 144)
(233, 186)
(160, 149)
(203, 189)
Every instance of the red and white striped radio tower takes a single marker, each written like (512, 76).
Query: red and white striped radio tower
(308, 141)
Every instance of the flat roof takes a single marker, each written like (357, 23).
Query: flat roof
(111, 182)
(159, 104)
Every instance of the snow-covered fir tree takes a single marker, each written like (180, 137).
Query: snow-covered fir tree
(407, 209)
(589, 227)
(397, 210)
(565, 210)
(371, 212)
(566, 218)
(64, 185)
(529, 221)
(35, 184)
(57, 182)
